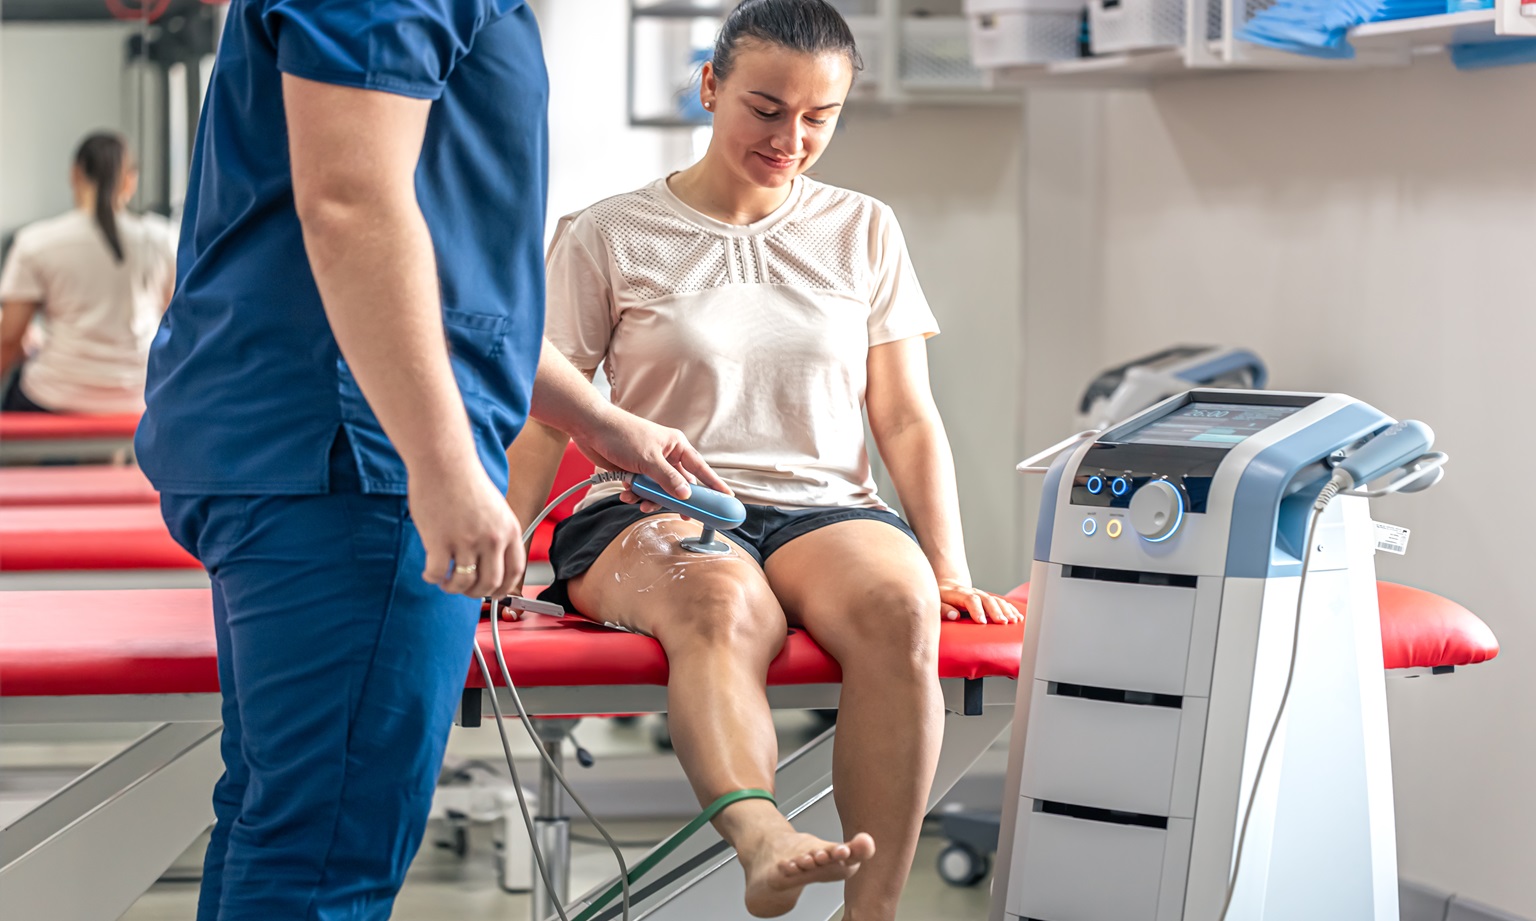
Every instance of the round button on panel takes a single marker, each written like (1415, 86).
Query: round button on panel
(1090, 527)
(1095, 484)
(1120, 486)
(1157, 510)
(1113, 528)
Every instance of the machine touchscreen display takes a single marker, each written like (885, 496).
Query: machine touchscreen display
(1217, 425)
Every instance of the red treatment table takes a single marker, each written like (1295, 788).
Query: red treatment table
(92, 546)
(100, 527)
(149, 656)
(31, 437)
(76, 485)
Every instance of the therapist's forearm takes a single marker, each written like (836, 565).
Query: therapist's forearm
(922, 468)
(533, 462)
(373, 262)
(563, 397)
(560, 392)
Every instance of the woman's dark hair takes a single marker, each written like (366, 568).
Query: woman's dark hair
(806, 26)
(101, 159)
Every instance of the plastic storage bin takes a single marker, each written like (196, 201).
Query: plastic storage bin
(1010, 33)
(935, 54)
(1135, 25)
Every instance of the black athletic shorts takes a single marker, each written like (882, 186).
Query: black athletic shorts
(581, 538)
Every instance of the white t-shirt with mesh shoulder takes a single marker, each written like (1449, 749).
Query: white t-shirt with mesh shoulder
(751, 339)
(99, 315)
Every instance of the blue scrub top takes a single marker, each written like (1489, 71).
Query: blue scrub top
(247, 389)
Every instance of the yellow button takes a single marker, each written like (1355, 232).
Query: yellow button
(1113, 528)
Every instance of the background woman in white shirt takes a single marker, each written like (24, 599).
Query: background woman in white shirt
(762, 313)
(101, 278)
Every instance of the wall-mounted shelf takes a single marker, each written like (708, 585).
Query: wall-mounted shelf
(1110, 71)
(909, 59)
(678, 9)
(1377, 44)
(1450, 28)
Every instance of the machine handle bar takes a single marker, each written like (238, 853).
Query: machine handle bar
(1031, 464)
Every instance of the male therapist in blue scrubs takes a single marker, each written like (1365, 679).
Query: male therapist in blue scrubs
(352, 345)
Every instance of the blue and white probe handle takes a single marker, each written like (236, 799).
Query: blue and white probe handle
(716, 511)
(1399, 445)
(1404, 442)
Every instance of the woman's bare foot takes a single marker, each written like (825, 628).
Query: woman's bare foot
(787, 862)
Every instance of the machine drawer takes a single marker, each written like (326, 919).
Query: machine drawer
(1070, 868)
(1115, 635)
(1113, 754)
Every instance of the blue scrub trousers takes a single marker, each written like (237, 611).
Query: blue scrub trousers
(341, 671)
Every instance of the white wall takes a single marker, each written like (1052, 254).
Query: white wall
(593, 152)
(1371, 233)
(953, 177)
(57, 84)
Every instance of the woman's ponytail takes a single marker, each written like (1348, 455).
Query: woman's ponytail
(101, 159)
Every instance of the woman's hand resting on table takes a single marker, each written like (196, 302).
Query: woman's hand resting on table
(957, 598)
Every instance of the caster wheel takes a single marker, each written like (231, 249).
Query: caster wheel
(962, 867)
(661, 735)
(457, 842)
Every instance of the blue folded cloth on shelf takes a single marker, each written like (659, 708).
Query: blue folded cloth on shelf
(1320, 28)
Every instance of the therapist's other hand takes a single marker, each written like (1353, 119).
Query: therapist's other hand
(956, 599)
(474, 542)
(623, 441)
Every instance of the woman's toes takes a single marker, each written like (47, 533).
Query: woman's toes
(861, 848)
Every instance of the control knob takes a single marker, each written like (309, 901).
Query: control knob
(1157, 510)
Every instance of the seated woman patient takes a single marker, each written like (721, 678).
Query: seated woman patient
(761, 313)
(99, 276)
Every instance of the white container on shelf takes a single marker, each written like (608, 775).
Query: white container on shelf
(869, 36)
(1010, 33)
(936, 55)
(1116, 26)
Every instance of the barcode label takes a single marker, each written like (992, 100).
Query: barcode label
(1391, 538)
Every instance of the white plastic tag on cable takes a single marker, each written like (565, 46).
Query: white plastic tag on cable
(1391, 538)
(514, 606)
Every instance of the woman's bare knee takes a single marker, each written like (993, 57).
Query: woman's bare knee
(890, 627)
(722, 613)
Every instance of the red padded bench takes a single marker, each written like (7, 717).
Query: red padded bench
(97, 643)
(81, 485)
(88, 537)
(1419, 629)
(63, 644)
(65, 426)
(55, 519)
(80, 437)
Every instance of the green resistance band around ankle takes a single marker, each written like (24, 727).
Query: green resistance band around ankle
(668, 846)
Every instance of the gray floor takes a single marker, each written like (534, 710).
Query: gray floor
(631, 785)
(441, 887)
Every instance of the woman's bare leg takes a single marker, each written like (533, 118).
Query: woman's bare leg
(867, 595)
(720, 626)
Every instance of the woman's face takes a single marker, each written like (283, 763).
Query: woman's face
(775, 113)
